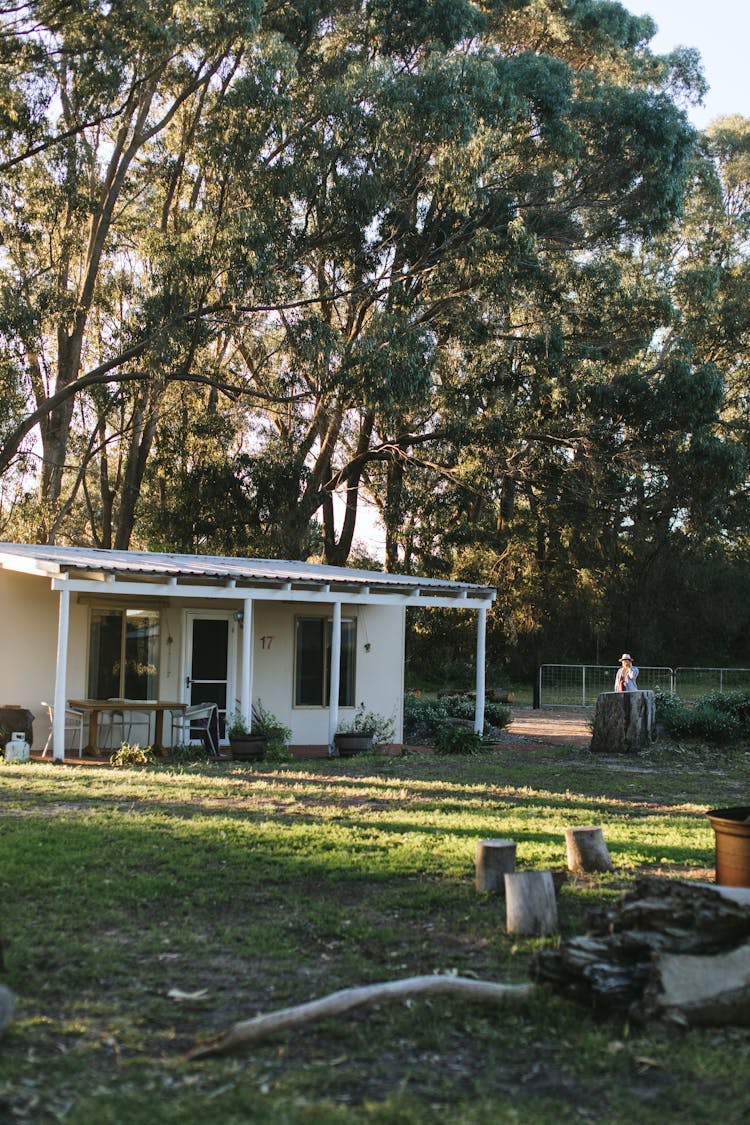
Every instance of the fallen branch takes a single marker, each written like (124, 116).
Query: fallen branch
(260, 1027)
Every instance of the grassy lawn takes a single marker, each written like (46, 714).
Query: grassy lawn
(143, 910)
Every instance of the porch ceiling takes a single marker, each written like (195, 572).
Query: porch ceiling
(143, 573)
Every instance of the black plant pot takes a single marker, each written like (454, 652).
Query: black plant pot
(249, 748)
(349, 744)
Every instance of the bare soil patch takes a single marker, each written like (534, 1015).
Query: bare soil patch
(558, 726)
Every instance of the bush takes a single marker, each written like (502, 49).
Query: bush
(497, 715)
(372, 723)
(425, 718)
(422, 719)
(717, 718)
(457, 740)
(462, 707)
(267, 725)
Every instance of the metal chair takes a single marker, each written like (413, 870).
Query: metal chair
(202, 715)
(73, 722)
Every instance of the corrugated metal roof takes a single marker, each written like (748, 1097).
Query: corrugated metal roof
(53, 561)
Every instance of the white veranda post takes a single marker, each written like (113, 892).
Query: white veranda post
(481, 644)
(246, 684)
(61, 678)
(335, 674)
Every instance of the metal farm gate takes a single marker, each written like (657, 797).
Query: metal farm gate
(578, 685)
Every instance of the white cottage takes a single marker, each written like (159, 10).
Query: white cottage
(310, 642)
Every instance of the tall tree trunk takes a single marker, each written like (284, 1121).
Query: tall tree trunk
(394, 475)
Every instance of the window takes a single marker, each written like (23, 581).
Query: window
(124, 654)
(312, 674)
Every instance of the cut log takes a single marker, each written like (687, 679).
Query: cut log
(260, 1027)
(668, 949)
(491, 695)
(494, 860)
(530, 903)
(624, 722)
(708, 991)
(587, 850)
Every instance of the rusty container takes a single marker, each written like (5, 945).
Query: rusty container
(732, 830)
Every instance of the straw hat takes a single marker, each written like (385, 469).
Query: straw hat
(626, 656)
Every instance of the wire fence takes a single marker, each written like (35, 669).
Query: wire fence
(578, 685)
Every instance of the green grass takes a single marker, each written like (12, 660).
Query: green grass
(249, 889)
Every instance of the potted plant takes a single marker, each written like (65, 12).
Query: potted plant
(252, 745)
(363, 731)
(245, 746)
(265, 725)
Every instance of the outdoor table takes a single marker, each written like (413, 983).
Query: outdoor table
(94, 708)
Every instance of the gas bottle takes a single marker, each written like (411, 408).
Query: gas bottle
(17, 748)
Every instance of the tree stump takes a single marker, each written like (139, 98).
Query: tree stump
(624, 722)
(587, 850)
(494, 860)
(531, 906)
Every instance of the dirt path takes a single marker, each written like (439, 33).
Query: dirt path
(561, 726)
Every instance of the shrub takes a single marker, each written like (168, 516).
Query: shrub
(424, 718)
(462, 707)
(371, 723)
(497, 715)
(717, 718)
(451, 739)
(267, 725)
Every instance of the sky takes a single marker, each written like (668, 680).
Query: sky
(720, 29)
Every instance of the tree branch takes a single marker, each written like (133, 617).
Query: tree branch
(336, 1003)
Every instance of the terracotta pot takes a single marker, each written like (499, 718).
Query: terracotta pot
(732, 830)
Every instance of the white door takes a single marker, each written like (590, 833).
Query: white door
(210, 660)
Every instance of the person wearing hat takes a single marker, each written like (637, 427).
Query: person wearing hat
(627, 674)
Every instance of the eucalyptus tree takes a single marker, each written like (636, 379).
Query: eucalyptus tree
(623, 513)
(88, 91)
(587, 152)
(449, 164)
(358, 225)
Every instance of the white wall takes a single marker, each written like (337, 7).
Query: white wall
(379, 672)
(29, 616)
(28, 612)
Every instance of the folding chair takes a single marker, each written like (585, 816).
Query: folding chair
(73, 722)
(205, 716)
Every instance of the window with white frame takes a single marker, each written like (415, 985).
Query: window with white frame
(312, 662)
(123, 654)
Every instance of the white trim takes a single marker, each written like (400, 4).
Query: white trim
(189, 617)
(93, 566)
(480, 670)
(334, 674)
(351, 596)
(246, 683)
(61, 678)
